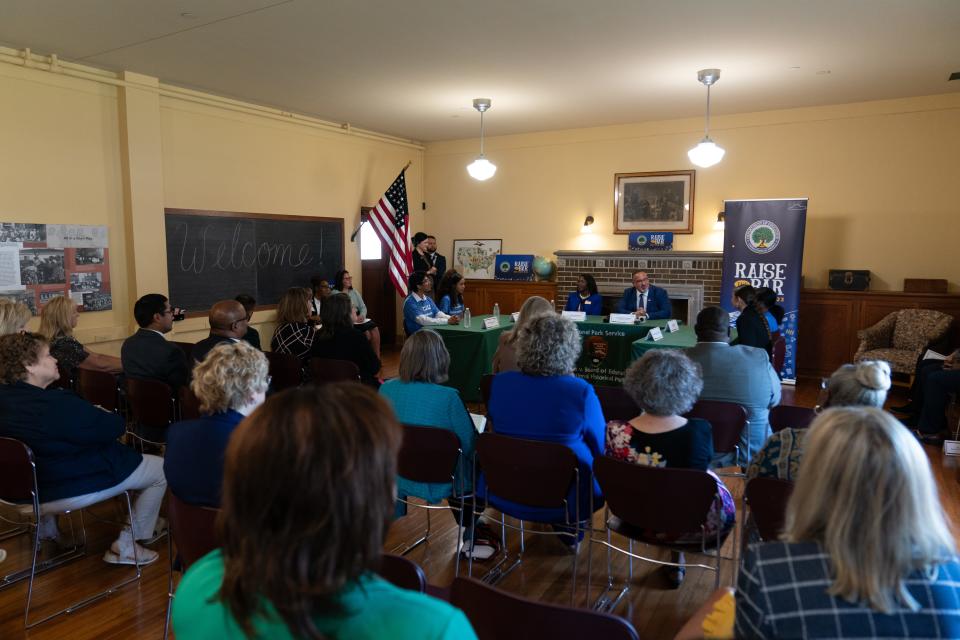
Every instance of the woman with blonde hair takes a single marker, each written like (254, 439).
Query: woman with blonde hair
(13, 316)
(866, 550)
(505, 358)
(57, 322)
(294, 333)
(230, 382)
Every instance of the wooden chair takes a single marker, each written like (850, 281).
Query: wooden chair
(193, 530)
(18, 489)
(403, 573)
(324, 370)
(728, 420)
(778, 354)
(430, 455)
(616, 403)
(99, 388)
(495, 614)
(285, 369)
(152, 408)
(643, 503)
(786, 416)
(189, 404)
(534, 474)
(767, 499)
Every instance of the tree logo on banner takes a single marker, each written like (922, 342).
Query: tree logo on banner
(762, 236)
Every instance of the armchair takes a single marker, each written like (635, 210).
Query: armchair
(900, 337)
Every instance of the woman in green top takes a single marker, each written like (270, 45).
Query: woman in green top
(343, 283)
(307, 496)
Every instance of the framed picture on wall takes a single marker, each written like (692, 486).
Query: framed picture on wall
(476, 258)
(653, 201)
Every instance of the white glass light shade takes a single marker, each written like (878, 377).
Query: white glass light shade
(481, 169)
(706, 154)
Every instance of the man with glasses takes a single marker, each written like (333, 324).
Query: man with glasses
(228, 323)
(644, 300)
(147, 354)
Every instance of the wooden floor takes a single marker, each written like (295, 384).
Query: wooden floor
(137, 610)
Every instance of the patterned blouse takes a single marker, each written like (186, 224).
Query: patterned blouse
(779, 457)
(294, 338)
(68, 351)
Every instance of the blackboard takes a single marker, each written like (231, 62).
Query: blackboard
(215, 255)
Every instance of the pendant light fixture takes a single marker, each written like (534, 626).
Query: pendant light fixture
(481, 168)
(707, 153)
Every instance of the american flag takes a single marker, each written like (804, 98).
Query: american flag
(390, 220)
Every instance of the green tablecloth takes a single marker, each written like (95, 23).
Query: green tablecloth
(607, 349)
(471, 353)
(683, 339)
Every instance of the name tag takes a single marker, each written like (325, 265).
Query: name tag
(491, 323)
(951, 447)
(655, 334)
(576, 316)
(673, 326)
(622, 318)
(515, 315)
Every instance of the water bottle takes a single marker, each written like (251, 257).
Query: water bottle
(496, 309)
(466, 317)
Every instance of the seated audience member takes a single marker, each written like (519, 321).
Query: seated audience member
(505, 358)
(299, 553)
(752, 328)
(585, 298)
(419, 398)
(864, 384)
(230, 382)
(78, 459)
(337, 339)
(57, 322)
(866, 550)
(294, 333)
(450, 293)
(935, 381)
(766, 305)
(419, 309)
(249, 306)
(665, 384)
(228, 323)
(343, 283)
(13, 316)
(738, 374)
(147, 354)
(645, 300)
(545, 401)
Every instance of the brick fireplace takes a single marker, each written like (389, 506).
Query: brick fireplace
(691, 278)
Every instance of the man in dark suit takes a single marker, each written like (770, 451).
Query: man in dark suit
(147, 354)
(228, 323)
(436, 260)
(645, 300)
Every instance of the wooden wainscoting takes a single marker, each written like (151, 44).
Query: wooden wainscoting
(480, 295)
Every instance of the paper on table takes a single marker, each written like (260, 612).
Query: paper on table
(479, 422)
(933, 355)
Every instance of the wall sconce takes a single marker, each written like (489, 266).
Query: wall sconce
(720, 224)
(587, 225)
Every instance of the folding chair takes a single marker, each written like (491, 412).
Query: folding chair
(403, 573)
(616, 403)
(152, 409)
(727, 420)
(324, 370)
(786, 416)
(654, 506)
(487, 607)
(18, 488)
(431, 455)
(767, 499)
(99, 388)
(193, 529)
(189, 404)
(285, 369)
(534, 474)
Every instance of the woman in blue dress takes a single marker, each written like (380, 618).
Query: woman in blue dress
(585, 298)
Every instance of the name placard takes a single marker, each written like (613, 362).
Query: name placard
(491, 323)
(515, 315)
(951, 447)
(576, 316)
(673, 326)
(656, 335)
(622, 318)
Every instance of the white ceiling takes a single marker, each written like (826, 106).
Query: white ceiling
(411, 68)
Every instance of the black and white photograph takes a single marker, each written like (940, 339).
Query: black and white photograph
(654, 201)
(22, 232)
(97, 301)
(26, 297)
(86, 282)
(88, 256)
(47, 296)
(42, 266)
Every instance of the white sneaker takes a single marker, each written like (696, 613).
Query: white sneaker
(121, 553)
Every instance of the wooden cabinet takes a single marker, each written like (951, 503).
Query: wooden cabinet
(829, 321)
(480, 295)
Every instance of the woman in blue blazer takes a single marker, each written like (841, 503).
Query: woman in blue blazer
(585, 298)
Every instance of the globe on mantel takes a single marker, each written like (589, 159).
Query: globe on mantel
(543, 268)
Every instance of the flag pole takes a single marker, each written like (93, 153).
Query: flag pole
(363, 218)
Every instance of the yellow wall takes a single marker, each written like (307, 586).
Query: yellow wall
(880, 177)
(115, 150)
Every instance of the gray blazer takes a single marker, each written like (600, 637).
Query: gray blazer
(743, 375)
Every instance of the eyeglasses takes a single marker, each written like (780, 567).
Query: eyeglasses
(167, 312)
(269, 380)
